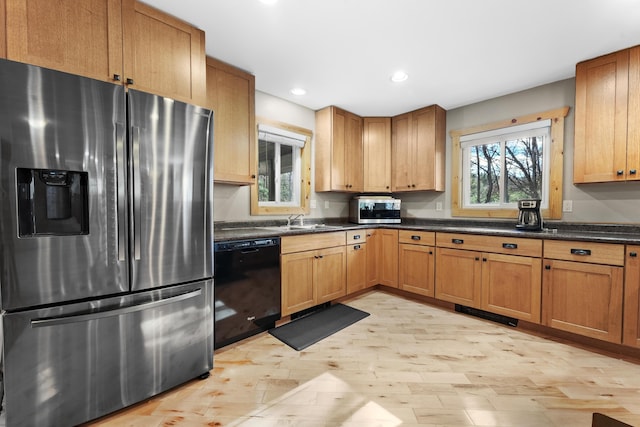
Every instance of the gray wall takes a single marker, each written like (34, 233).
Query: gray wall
(601, 203)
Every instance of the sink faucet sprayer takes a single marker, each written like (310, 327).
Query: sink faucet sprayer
(293, 218)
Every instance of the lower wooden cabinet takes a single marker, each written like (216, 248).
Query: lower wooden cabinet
(501, 275)
(374, 254)
(582, 288)
(458, 276)
(416, 262)
(631, 331)
(313, 270)
(388, 262)
(511, 286)
(356, 267)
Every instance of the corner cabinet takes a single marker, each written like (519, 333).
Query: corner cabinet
(583, 288)
(418, 150)
(231, 95)
(120, 41)
(377, 154)
(313, 270)
(607, 132)
(338, 151)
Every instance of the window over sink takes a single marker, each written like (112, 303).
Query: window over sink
(284, 158)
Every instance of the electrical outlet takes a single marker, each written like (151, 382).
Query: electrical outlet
(438, 206)
(313, 204)
(326, 204)
(567, 206)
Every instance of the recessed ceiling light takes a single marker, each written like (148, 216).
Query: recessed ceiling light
(399, 76)
(269, 1)
(298, 91)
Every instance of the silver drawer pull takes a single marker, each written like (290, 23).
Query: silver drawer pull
(457, 241)
(510, 245)
(356, 237)
(415, 237)
(581, 252)
(356, 247)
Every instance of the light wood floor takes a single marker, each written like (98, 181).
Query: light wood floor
(407, 364)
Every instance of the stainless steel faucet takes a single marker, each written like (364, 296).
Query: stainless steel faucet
(293, 218)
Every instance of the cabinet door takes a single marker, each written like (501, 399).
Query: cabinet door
(428, 157)
(84, 40)
(163, 54)
(374, 256)
(297, 281)
(377, 154)
(633, 124)
(356, 267)
(353, 166)
(601, 119)
(231, 95)
(402, 152)
(416, 269)
(583, 298)
(631, 332)
(512, 286)
(388, 262)
(329, 274)
(458, 276)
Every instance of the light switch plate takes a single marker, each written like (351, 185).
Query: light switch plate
(326, 204)
(438, 206)
(567, 206)
(313, 204)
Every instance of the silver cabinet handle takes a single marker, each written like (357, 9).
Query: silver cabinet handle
(510, 245)
(74, 318)
(582, 252)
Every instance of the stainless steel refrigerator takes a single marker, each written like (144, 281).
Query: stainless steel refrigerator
(106, 260)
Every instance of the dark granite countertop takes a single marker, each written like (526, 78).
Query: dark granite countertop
(604, 233)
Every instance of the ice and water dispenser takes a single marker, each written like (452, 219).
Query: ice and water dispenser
(52, 202)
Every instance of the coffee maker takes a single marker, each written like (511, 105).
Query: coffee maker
(529, 217)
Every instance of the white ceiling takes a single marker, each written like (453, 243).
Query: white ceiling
(456, 52)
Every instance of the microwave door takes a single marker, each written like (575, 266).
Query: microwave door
(171, 225)
(59, 228)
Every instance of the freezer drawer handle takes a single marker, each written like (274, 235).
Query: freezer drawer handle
(74, 318)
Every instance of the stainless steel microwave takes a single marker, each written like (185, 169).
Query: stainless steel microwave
(374, 210)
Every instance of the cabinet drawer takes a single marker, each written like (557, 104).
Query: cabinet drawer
(309, 242)
(413, 237)
(595, 253)
(495, 244)
(356, 236)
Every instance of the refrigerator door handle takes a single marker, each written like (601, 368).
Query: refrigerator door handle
(74, 318)
(137, 215)
(122, 191)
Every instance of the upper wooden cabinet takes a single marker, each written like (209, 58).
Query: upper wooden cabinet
(418, 150)
(607, 135)
(111, 40)
(163, 54)
(231, 95)
(339, 152)
(377, 154)
(63, 36)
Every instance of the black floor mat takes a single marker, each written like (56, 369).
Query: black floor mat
(301, 333)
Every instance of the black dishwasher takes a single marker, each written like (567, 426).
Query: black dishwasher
(247, 288)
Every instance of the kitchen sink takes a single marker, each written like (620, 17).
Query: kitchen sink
(302, 227)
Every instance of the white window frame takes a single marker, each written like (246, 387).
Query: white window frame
(501, 136)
